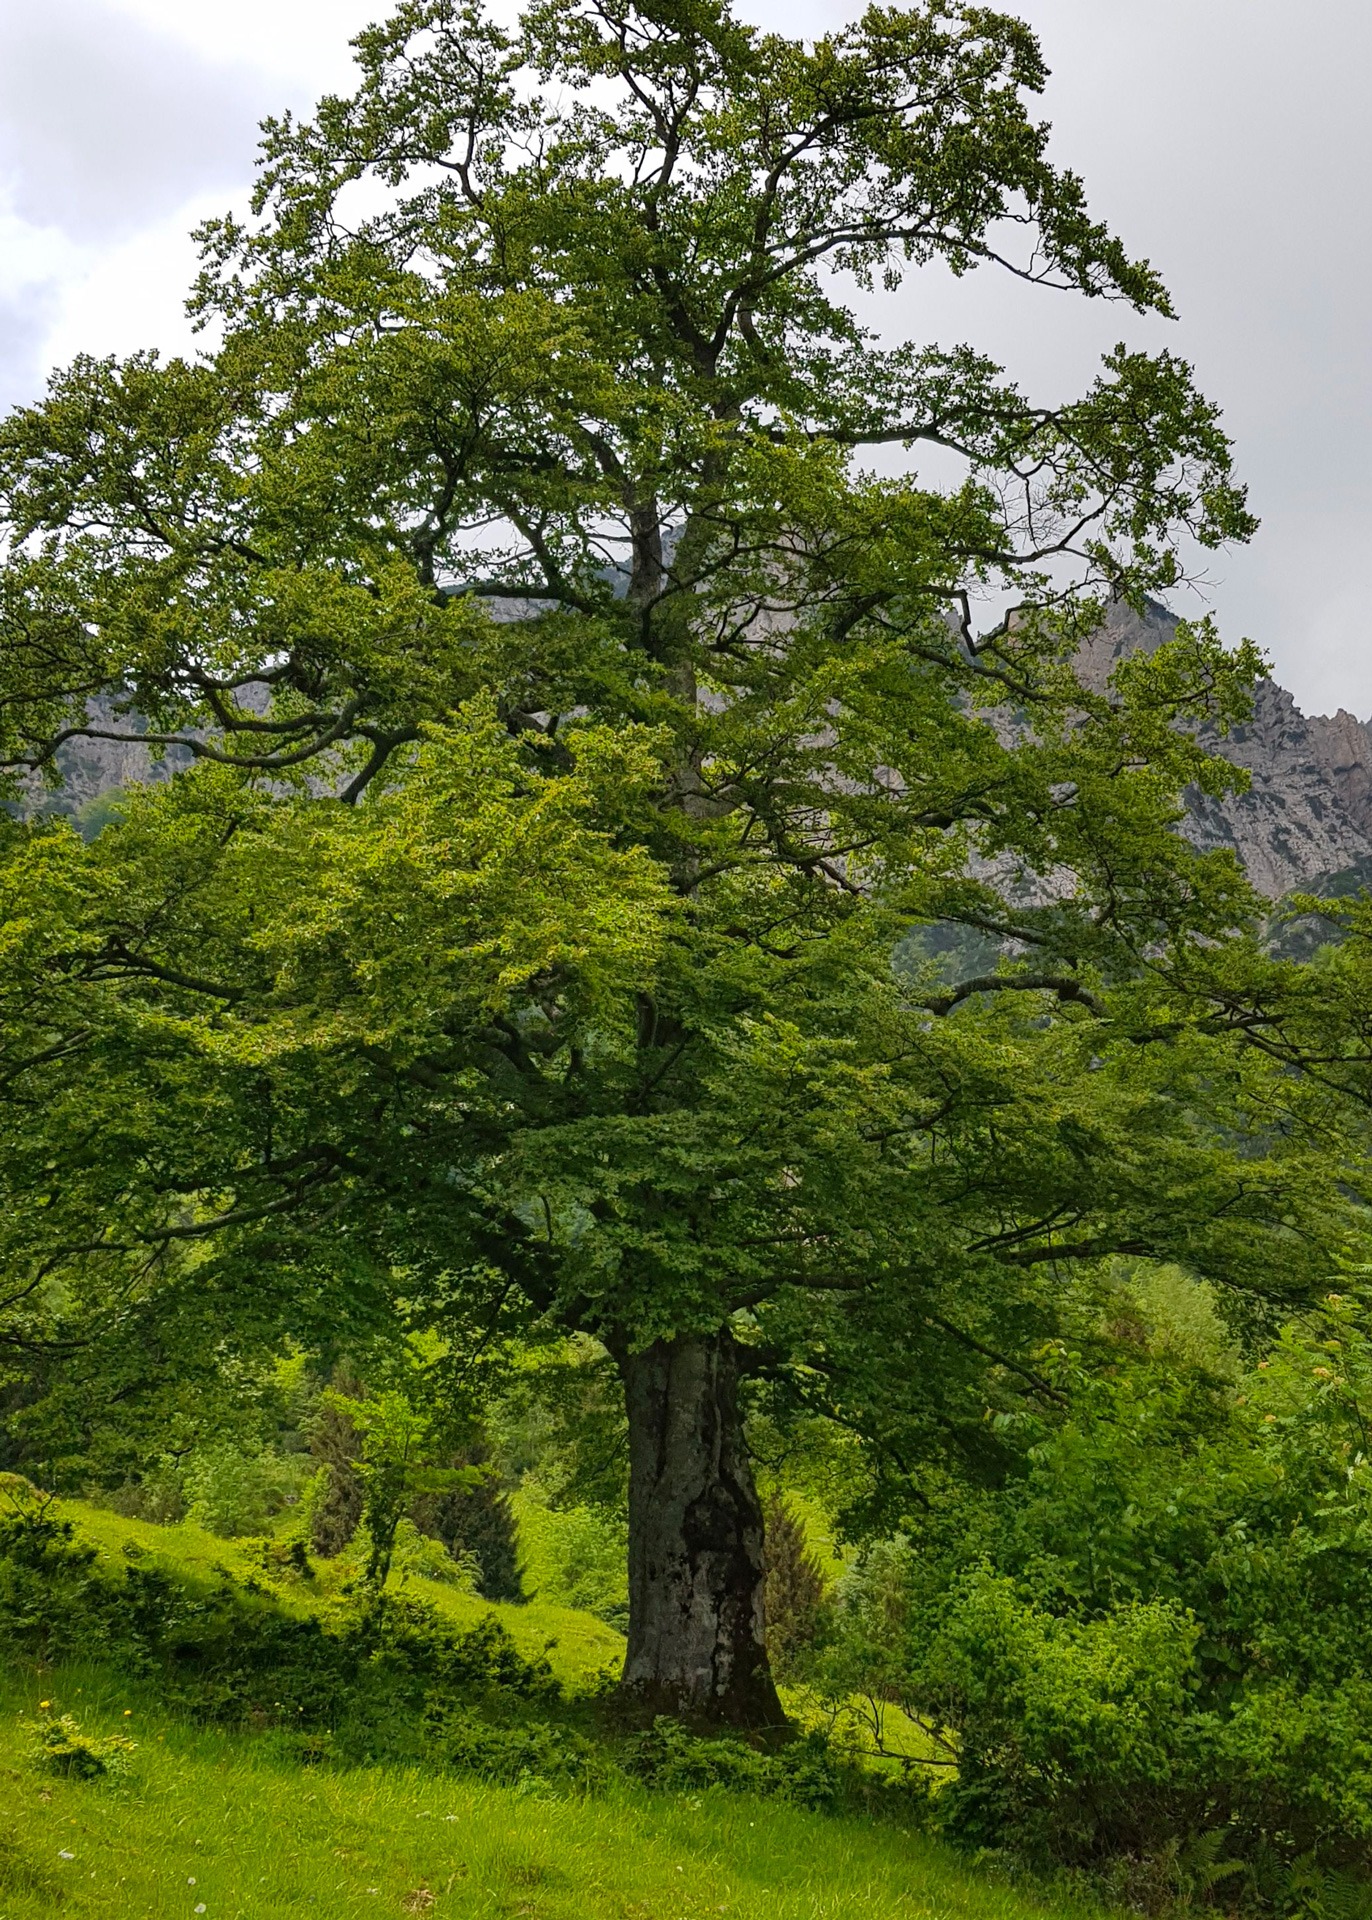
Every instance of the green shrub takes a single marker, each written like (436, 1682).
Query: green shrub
(577, 1556)
(282, 1559)
(58, 1745)
(529, 1753)
(1073, 1735)
(1297, 1761)
(476, 1525)
(421, 1557)
(50, 1601)
(30, 1532)
(1087, 1742)
(159, 1496)
(1159, 1632)
(232, 1493)
(668, 1755)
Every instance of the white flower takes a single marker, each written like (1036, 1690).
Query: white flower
(64, 1855)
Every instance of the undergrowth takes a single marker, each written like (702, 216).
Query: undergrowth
(364, 1679)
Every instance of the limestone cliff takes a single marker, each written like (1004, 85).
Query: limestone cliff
(1307, 814)
(1306, 817)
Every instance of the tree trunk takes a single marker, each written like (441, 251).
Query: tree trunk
(696, 1570)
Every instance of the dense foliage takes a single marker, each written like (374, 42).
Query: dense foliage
(1152, 1645)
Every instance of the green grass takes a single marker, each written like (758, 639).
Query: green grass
(577, 1644)
(229, 1825)
(218, 1820)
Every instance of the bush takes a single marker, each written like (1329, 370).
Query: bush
(48, 1595)
(527, 1754)
(668, 1755)
(578, 1557)
(232, 1493)
(1074, 1736)
(1297, 1761)
(159, 1497)
(414, 1556)
(1160, 1632)
(282, 1559)
(1089, 1741)
(57, 1745)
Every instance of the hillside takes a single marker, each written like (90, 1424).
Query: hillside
(231, 1823)
(215, 1823)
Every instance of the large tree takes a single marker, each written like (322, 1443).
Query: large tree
(571, 730)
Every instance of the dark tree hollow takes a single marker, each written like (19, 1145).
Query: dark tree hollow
(697, 1645)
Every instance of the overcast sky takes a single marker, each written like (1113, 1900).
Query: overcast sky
(1227, 140)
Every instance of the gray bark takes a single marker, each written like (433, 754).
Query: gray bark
(696, 1568)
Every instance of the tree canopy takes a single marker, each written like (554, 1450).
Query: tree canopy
(609, 882)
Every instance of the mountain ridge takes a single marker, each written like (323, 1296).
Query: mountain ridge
(1306, 817)
(1304, 821)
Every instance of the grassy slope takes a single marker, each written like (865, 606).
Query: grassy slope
(578, 1645)
(221, 1823)
(259, 1837)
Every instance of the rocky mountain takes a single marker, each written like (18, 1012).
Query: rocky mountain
(1306, 819)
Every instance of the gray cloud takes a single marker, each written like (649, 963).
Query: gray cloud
(1228, 140)
(105, 126)
(24, 323)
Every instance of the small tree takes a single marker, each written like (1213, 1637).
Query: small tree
(793, 1596)
(395, 1468)
(477, 1519)
(337, 1501)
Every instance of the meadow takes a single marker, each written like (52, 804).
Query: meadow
(229, 1824)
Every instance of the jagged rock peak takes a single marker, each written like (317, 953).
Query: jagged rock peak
(1307, 814)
